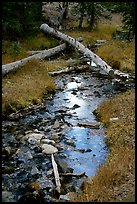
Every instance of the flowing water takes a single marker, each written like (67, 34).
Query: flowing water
(27, 171)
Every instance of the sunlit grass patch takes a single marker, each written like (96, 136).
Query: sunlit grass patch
(100, 32)
(28, 85)
(123, 107)
(118, 54)
(55, 65)
(109, 182)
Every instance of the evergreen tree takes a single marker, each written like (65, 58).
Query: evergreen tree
(20, 19)
(92, 11)
(127, 9)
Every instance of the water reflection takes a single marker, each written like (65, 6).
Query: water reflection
(90, 151)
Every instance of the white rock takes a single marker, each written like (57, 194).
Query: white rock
(47, 141)
(37, 136)
(49, 149)
(34, 170)
(111, 119)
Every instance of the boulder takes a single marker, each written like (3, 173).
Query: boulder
(49, 149)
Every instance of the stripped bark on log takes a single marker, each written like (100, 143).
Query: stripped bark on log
(56, 174)
(40, 55)
(85, 51)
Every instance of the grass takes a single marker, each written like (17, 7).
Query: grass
(28, 85)
(115, 181)
(101, 32)
(118, 54)
(13, 53)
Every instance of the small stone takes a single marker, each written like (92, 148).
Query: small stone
(49, 149)
(47, 141)
(49, 172)
(65, 197)
(75, 106)
(7, 197)
(33, 141)
(56, 124)
(6, 150)
(34, 170)
(29, 155)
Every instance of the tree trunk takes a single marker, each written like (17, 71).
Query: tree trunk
(81, 20)
(85, 51)
(92, 19)
(42, 55)
(39, 54)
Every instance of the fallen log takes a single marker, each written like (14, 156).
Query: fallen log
(71, 174)
(56, 174)
(39, 54)
(68, 70)
(42, 55)
(85, 51)
(32, 52)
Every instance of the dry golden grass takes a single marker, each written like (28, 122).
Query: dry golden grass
(101, 32)
(119, 54)
(28, 85)
(115, 181)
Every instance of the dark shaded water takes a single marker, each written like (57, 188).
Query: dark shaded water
(80, 149)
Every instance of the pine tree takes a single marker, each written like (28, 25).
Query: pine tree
(20, 19)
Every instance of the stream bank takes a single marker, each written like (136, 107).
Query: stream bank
(27, 169)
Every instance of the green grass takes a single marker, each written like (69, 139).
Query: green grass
(40, 42)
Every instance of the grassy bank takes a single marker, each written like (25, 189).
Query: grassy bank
(28, 85)
(31, 82)
(115, 181)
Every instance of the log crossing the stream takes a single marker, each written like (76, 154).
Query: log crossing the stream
(88, 54)
(85, 51)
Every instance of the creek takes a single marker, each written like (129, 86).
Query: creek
(27, 172)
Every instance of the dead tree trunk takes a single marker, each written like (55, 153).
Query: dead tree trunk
(86, 52)
(40, 55)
